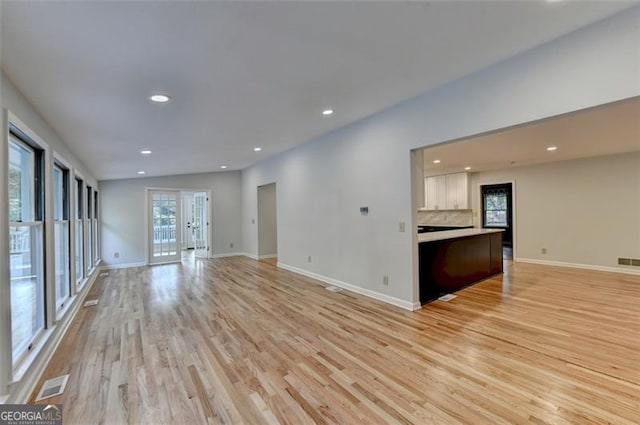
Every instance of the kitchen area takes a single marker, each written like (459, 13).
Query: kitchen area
(485, 199)
(453, 254)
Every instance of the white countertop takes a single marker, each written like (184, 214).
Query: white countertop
(453, 234)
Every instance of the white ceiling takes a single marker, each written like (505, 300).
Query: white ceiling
(245, 74)
(604, 130)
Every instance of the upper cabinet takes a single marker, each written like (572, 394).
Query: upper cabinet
(457, 191)
(447, 192)
(435, 193)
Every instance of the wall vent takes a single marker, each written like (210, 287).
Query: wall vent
(91, 303)
(447, 297)
(53, 387)
(624, 261)
(635, 262)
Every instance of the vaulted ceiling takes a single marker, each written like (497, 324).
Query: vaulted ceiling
(248, 74)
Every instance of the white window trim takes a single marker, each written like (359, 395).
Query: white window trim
(47, 245)
(62, 164)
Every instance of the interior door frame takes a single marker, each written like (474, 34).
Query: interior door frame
(514, 210)
(180, 190)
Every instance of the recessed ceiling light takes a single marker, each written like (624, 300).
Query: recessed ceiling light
(159, 98)
(258, 149)
(223, 166)
(141, 172)
(145, 152)
(467, 168)
(436, 161)
(552, 148)
(327, 112)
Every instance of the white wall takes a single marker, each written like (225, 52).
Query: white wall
(322, 184)
(584, 211)
(123, 213)
(267, 221)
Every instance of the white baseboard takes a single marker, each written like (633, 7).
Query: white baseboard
(353, 288)
(577, 266)
(20, 391)
(122, 266)
(252, 256)
(264, 257)
(230, 254)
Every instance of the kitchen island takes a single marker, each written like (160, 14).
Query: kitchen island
(453, 259)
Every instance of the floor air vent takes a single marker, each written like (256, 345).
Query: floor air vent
(103, 274)
(447, 297)
(52, 387)
(91, 303)
(333, 288)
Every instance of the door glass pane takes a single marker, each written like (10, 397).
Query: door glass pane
(27, 308)
(164, 219)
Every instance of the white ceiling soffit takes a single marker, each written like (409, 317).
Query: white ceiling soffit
(604, 130)
(246, 74)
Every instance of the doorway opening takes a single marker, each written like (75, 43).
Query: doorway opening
(178, 220)
(497, 213)
(267, 222)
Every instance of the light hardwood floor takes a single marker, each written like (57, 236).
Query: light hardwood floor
(239, 341)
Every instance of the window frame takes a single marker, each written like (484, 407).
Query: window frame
(78, 219)
(67, 196)
(96, 228)
(18, 133)
(89, 260)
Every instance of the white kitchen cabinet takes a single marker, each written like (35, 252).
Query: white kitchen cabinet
(435, 193)
(457, 191)
(447, 192)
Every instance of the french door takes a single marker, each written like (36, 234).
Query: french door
(164, 226)
(200, 224)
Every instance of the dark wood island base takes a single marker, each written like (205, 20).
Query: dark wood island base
(451, 262)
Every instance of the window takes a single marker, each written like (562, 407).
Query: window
(496, 205)
(26, 270)
(89, 247)
(61, 234)
(95, 228)
(79, 253)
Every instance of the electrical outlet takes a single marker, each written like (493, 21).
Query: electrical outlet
(543, 250)
(309, 258)
(230, 245)
(385, 279)
(401, 227)
(116, 255)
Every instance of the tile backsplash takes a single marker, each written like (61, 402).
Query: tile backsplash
(445, 217)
